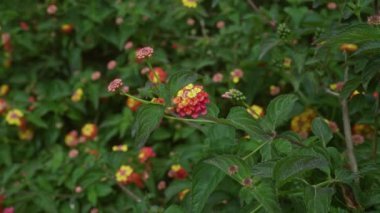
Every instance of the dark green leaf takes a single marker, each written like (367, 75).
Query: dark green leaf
(321, 130)
(279, 109)
(317, 200)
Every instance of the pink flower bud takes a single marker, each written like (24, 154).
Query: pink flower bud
(217, 77)
(73, 153)
(332, 5)
(115, 85)
(52, 9)
(119, 20)
(161, 185)
(111, 65)
(220, 24)
(190, 21)
(78, 189)
(96, 75)
(128, 45)
(357, 139)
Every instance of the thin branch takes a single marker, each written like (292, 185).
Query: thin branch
(130, 193)
(332, 93)
(347, 127)
(253, 5)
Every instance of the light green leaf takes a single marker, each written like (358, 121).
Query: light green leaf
(279, 109)
(147, 119)
(317, 200)
(265, 194)
(321, 130)
(205, 180)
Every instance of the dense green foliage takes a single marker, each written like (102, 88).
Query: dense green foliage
(299, 133)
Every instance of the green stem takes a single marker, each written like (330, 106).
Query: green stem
(138, 99)
(257, 208)
(327, 182)
(255, 150)
(189, 119)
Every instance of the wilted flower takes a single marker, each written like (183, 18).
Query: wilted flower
(236, 75)
(96, 75)
(146, 153)
(247, 182)
(143, 53)
(287, 63)
(24, 26)
(128, 45)
(89, 131)
(256, 111)
(220, 24)
(357, 139)
(120, 148)
(3, 106)
(182, 194)
(67, 28)
(363, 129)
(157, 75)
(77, 95)
(191, 101)
(337, 87)
(233, 169)
(51, 9)
(161, 185)
(136, 179)
(374, 20)
(177, 172)
(302, 122)
(332, 5)
(119, 20)
(217, 77)
(25, 134)
(133, 104)
(71, 138)
(111, 65)
(15, 117)
(73, 153)
(234, 94)
(190, 3)
(348, 48)
(274, 90)
(123, 173)
(4, 89)
(115, 85)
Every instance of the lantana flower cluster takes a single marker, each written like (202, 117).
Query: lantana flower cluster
(302, 122)
(191, 101)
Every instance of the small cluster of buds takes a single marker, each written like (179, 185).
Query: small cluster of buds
(234, 94)
(373, 20)
(283, 31)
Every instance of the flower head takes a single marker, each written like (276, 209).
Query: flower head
(128, 45)
(71, 138)
(146, 153)
(143, 53)
(177, 172)
(51, 9)
(15, 117)
(217, 77)
(120, 148)
(3, 106)
(115, 85)
(357, 139)
(4, 89)
(67, 28)
(73, 153)
(274, 90)
(236, 75)
(287, 63)
(96, 75)
(25, 134)
(348, 48)
(133, 104)
(77, 95)
(302, 122)
(337, 87)
(374, 20)
(158, 100)
(111, 65)
(364, 129)
(157, 75)
(89, 131)
(123, 173)
(220, 24)
(190, 3)
(136, 179)
(256, 111)
(191, 101)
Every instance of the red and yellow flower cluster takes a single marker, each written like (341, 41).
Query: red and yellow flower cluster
(146, 153)
(126, 175)
(157, 75)
(177, 172)
(89, 132)
(191, 101)
(302, 122)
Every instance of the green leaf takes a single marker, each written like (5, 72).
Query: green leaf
(293, 165)
(317, 200)
(205, 180)
(267, 45)
(321, 130)
(224, 162)
(349, 87)
(265, 194)
(241, 119)
(147, 119)
(180, 79)
(279, 109)
(174, 209)
(370, 72)
(36, 120)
